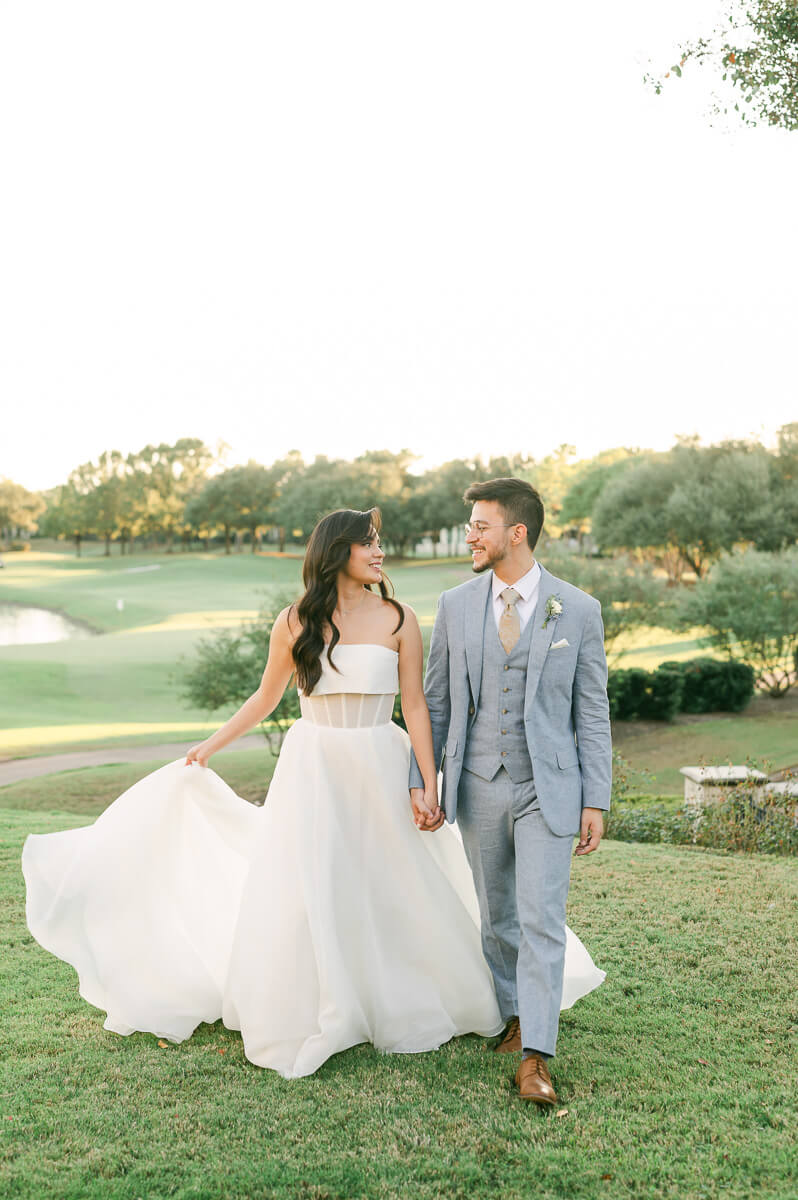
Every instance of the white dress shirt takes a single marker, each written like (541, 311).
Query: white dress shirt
(527, 587)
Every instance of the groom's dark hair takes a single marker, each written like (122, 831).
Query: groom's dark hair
(521, 503)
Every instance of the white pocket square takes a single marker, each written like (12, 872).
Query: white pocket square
(559, 645)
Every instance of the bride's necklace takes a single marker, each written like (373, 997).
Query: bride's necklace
(344, 612)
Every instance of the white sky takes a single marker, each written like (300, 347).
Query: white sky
(458, 227)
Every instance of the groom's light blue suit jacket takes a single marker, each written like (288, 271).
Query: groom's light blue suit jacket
(566, 712)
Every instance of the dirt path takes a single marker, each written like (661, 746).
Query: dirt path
(49, 764)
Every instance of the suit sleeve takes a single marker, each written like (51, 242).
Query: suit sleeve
(436, 691)
(591, 714)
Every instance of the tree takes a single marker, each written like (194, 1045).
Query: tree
(376, 478)
(749, 604)
(552, 477)
(106, 495)
(251, 491)
(284, 471)
(212, 507)
(437, 503)
(19, 508)
(785, 470)
(388, 484)
(69, 513)
(306, 495)
(228, 667)
(590, 479)
(754, 50)
(629, 594)
(167, 476)
(697, 500)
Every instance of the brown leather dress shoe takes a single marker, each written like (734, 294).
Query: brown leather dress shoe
(534, 1081)
(511, 1041)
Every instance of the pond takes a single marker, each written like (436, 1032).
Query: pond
(23, 625)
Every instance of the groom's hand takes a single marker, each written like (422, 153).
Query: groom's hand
(426, 813)
(591, 831)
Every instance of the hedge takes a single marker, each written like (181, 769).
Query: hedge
(698, 685)
(714, 685)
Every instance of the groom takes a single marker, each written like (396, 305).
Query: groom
(516, 685)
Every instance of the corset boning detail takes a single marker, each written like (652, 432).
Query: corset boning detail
(347, 710)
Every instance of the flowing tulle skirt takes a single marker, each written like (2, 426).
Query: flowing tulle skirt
(322, 919)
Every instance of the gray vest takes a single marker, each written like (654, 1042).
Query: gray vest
(496, 737)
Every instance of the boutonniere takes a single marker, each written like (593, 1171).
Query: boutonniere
(553, 609)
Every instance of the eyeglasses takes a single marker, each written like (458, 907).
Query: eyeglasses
(479, 527)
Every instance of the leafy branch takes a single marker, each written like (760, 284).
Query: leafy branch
(755, 53)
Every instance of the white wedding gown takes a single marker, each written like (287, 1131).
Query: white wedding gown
(322, 919)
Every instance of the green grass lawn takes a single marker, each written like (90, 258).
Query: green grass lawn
(89, 790)
(120, 688)
(766, 732)
(676, 1078)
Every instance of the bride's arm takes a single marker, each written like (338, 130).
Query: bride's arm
(416, 715)
(279, 668)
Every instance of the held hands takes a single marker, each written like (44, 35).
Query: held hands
(591, 831)
(426, 812)
(198, 754)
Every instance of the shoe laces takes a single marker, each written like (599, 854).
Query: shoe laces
(512, 1030)
(540, 1067)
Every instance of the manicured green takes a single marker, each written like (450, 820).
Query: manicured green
(676, 1078)
(121, 687)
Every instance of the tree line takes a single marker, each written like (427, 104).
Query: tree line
(678, 510)
(173, 494)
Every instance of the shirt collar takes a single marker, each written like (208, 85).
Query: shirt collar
(525, 585)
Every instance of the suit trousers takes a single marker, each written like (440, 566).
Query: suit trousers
(522, 872)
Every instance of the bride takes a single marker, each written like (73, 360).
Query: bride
(329, 916)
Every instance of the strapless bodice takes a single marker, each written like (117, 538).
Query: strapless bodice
(360, 694)
(367, 668)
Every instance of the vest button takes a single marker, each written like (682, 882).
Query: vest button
(504, 731)
(504, 710)
(471, 710)
(506, 667)
(504, 753)
(505, 689)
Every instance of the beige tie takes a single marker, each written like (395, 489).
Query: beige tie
(510, 622)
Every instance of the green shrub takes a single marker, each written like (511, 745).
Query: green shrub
(227, 669)
(698, 685)
(652, 695)
(743, 821)
(748, 820)
(628, 822)
(663, 695)
(714, 685)
(626, 690)
(749, 607)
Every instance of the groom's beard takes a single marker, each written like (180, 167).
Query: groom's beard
(488, 561)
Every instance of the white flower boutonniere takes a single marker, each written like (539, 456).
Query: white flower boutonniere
(553, 609)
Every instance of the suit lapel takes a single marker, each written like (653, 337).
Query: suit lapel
(541, 638)
(475, 631)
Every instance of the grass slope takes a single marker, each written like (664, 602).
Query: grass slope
(676, 1078)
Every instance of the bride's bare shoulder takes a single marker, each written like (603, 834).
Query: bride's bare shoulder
(287, 625)
(409, 620)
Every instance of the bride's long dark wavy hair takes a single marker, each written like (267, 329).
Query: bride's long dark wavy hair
(327, 554)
